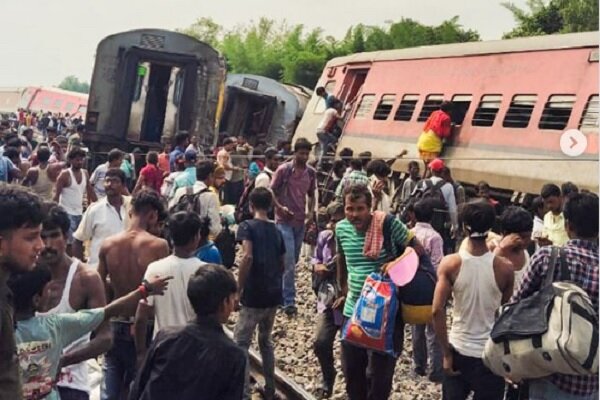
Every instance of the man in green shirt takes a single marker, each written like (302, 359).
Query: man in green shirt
(20, 243)
(353, 269)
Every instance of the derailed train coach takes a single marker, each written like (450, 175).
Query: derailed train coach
(149, 84)
(262, 109)
(512, 101)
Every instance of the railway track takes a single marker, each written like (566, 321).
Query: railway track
(286, 387)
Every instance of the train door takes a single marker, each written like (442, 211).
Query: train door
(353, 82)
(158, 96)
(138, 102)
(160, 111)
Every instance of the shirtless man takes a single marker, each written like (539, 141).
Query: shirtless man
(124, 258)
(42, 178)
(70, 187)
(74, 286)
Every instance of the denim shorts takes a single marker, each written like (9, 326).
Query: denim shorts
(75, 220)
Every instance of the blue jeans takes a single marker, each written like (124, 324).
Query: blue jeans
(292, 238)
(243, 333)
(543, 389)
(120, 361)
(74, 221)
(424, 343)
(326, 139)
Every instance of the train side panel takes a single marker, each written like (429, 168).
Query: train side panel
(505, 151)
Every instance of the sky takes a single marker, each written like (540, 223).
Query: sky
(47, 40)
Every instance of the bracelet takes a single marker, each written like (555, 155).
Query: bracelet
(144, 292)
(147, 286)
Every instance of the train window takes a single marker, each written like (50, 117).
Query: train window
(557, 112)
(487, 110)
(320, 106)
(46, 102)
(384, 108)
(589, 119)
(57, 103)
(69, 107)
(460, 106)
(519, 112)
(406, 108)
(364, 107)
(432, 103)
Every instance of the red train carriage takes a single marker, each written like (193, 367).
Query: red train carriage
(512, 101)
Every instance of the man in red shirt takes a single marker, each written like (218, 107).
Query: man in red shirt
(151, 176)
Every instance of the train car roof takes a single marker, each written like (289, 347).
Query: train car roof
(153, 31)
(535, 43)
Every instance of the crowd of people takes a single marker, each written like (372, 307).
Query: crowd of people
(127, 262)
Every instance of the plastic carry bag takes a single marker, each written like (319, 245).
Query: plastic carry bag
(373, 321)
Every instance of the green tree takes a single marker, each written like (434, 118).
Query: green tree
(555, 16)
(293, 54)
(205, 30)
(73, 84)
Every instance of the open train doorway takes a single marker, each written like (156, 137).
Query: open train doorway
(156, 102)
(248, 113)
(154, 105)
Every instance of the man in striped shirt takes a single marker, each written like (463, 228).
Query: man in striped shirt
(353, 269)
(356, 177)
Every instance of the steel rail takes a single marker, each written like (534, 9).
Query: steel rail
(284, 385)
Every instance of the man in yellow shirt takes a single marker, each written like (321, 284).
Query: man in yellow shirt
(554, 221)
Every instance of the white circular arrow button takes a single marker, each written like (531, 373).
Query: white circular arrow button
(573, 143)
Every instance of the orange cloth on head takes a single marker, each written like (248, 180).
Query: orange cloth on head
(374, 236)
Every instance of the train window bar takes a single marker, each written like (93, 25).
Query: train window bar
(589, 119)
(364, 107)
(432, 103)
(460, 106)
(520, 110)
(486, 111)
(557, 112)
(384, 108)
(407, 107)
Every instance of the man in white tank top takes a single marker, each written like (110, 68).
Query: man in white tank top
(71, 184)
(479, 282)
(42, 178)
(74, 286)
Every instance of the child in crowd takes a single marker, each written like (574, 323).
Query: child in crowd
(41, 339)
(329, 320)
(257, 164)
(208, 252)
(260, 284)
(423, 336)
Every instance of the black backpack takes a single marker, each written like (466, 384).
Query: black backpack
(225, 242)
(242, 209)
(426, 189)
(190, 201)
